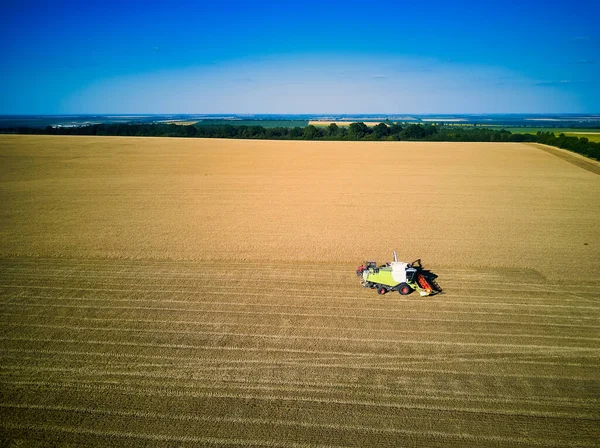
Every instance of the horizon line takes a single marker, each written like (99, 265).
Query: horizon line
(133, 114)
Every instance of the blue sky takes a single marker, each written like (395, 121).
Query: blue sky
(64, 57)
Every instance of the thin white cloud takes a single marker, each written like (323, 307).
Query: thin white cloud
(324, 84)
(559, 82)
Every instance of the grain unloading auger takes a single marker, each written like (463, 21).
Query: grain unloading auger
(398, 276)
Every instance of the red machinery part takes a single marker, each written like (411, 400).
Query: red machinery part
(422, 281)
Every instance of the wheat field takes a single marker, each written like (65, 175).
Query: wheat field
(189, 292)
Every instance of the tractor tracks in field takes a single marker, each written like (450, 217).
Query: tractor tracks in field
(296, 394)
(231, 441)
(306, 339)
(308, 301)
(549, 349)
(271, 422)
(283, 314)
(297, 329)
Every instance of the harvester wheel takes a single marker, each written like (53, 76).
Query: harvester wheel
(381, 290)
(404, 289)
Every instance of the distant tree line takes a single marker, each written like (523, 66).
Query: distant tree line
(353, 132)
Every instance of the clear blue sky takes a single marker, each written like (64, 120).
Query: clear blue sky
(61, 57)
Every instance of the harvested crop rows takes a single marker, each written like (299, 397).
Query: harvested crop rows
(237, 336)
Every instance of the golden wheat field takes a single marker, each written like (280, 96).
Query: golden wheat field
(189, 292)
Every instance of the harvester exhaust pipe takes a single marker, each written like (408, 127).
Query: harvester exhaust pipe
(395, 257)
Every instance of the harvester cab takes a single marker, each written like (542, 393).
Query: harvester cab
(398, 276)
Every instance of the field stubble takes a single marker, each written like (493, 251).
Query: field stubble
(159, 292)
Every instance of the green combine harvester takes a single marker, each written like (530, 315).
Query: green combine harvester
(398, 276)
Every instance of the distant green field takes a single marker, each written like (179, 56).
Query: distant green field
(593, 135)
(531, 130)
(263, 123)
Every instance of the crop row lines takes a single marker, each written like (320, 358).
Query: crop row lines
(246, 420)
(238, 365)
(228, 275)
(318, 299)
(263, 313)
(196, 381)
(174, 267)
(180, 391)
(28, 428)
(418, 389)
(217, 323)
(171, 274)
(135, 265)
(314, 304)
(229, 272)
(309, 355)
(195, 440)
(245, 286)
(398, 369)
(386, 342)
(295, 329)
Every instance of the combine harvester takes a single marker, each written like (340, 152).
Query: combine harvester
(398, 276)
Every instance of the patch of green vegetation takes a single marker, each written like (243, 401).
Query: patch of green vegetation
(595, 137)
(263, 123)
(532, 130)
